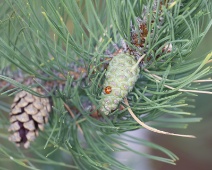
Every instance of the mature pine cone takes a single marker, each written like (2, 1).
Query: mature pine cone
(121, 75)
(28, 114)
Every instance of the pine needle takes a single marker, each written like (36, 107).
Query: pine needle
(158, 78)
(72, 115)
(151, 128)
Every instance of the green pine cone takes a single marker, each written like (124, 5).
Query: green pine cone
(121, 75)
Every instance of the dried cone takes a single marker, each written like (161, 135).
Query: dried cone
(28, 114)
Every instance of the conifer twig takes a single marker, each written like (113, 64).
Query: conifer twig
(151, 128)
(139, 60)
(72, 115)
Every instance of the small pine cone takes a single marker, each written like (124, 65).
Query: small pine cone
(120, 78)
(28, 114)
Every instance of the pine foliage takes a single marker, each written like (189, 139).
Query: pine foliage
(64, 47)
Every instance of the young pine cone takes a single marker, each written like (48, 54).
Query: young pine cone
(28, 114)
(120, 78)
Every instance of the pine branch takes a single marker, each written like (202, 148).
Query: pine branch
(65, 48)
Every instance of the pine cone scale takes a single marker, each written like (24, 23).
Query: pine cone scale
(16, 110)
(23, 117)
(30, 109)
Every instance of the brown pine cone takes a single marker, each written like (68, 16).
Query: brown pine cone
(28, 114)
